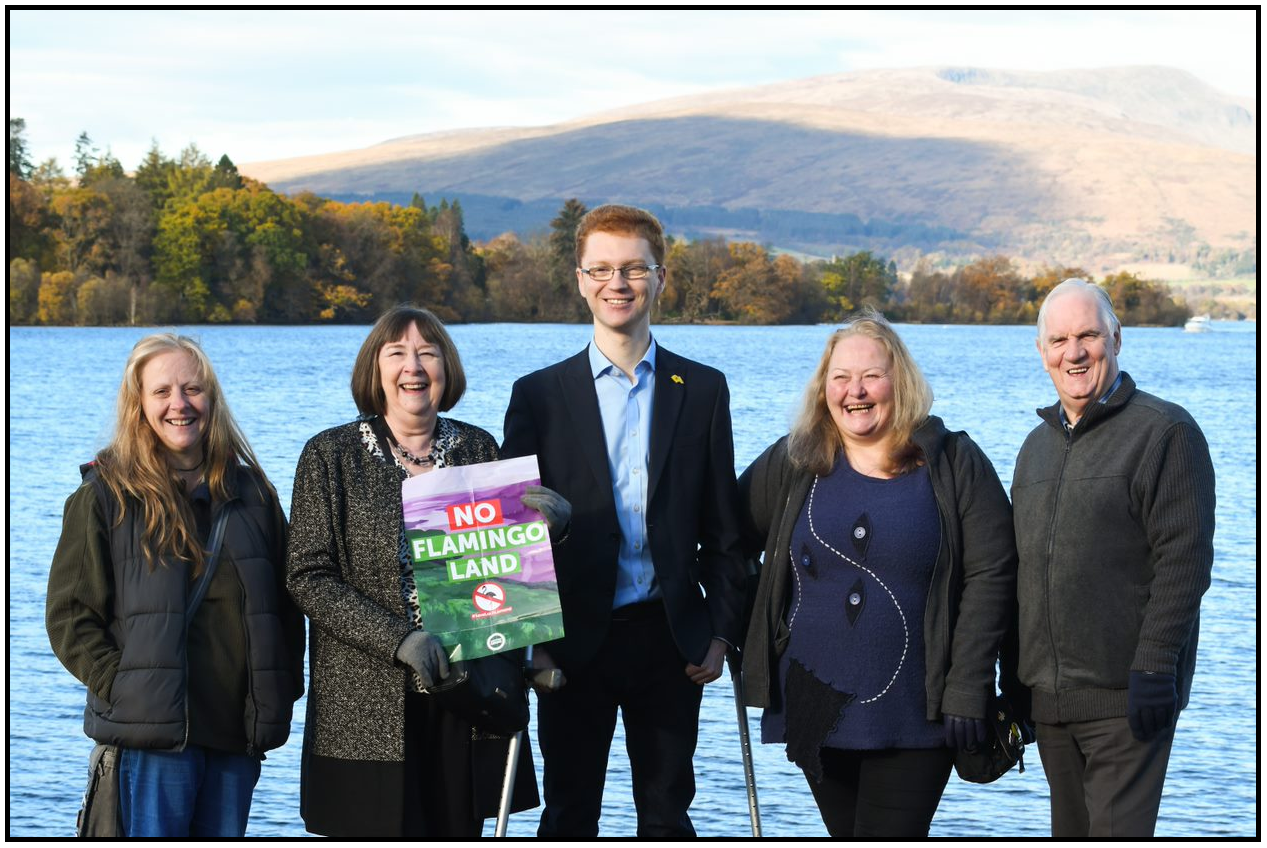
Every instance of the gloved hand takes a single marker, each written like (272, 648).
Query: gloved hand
(545, 676)
(426, 656)
(552, 505)
(964, 734)
(1151, 703)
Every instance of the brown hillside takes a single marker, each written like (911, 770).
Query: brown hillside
(1092, 167)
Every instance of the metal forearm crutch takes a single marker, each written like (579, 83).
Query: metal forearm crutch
(749, 773)
(512, 766)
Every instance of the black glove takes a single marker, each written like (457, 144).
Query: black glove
(964, 734)
(426, 656)
(552, 505)
(1151, 703)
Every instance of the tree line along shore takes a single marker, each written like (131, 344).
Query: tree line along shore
(186, 241)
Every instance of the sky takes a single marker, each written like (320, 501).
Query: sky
(260, 85)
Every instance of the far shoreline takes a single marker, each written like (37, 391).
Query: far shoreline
(662, 323)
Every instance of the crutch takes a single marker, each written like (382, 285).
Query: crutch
(512, 767)
(550, 679)
(745, 742)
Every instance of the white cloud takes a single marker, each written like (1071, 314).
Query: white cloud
(271, 84)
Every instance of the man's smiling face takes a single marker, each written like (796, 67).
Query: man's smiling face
(619, 304)
(1079, 350)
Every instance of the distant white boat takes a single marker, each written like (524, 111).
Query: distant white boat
(1198, 324)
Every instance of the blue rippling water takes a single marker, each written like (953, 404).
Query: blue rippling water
(287, 383)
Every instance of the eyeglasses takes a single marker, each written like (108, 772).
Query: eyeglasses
(603, 273)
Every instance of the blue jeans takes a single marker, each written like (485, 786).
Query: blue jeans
(194, 792)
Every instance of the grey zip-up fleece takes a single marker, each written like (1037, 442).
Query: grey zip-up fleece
(1114, 526)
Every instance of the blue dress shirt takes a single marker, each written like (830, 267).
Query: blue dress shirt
(625, 408)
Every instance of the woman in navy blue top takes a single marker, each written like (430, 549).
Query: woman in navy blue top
(888, 582)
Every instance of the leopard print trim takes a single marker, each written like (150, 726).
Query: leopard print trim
(443, 441)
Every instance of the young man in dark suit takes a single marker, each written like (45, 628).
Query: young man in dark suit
(650, 575)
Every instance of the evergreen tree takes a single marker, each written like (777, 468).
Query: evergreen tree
(565, 305)
(19, 157)
(105, 168)
(154, 175)
(563, 236)
(226, 175)
(85, 155)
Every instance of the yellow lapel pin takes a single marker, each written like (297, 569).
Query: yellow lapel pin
(675, 378)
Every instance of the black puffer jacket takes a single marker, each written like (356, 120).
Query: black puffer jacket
(120, 627)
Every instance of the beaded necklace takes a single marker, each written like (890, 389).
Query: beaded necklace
(409, 457)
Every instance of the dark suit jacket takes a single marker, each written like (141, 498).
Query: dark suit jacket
(692, 514)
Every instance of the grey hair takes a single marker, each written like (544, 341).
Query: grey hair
(1075, 284)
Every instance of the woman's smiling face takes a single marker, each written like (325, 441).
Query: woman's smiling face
(412, 372)
(175, 404)
(859, 390)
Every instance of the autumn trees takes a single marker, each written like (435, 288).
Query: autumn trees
(186, 240)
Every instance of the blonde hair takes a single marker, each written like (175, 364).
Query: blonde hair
(134, 465)
(815, 440)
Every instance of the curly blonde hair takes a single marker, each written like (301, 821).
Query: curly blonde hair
(134, 467)
(815, 441)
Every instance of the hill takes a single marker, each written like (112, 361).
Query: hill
(1096, 168)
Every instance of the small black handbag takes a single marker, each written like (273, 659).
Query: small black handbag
(489, 692)
(1003, 748)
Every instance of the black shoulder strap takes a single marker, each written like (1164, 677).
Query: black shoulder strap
(209, 567)
(88, 470)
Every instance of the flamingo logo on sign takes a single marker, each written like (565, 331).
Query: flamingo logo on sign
(489, 597)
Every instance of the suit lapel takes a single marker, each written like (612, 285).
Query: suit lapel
(577, 384)
(670, 393)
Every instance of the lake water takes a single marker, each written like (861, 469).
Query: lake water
(287, 383)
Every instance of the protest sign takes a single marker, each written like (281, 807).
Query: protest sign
(482, 561)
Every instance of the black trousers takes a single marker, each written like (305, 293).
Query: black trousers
(888, 793)
(639, 671)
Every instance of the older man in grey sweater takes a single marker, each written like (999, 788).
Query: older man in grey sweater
(1113, 499)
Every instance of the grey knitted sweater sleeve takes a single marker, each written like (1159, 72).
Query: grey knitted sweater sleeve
(1175, 489)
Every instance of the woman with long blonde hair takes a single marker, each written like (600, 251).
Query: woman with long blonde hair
(167, 600)
(886, 587)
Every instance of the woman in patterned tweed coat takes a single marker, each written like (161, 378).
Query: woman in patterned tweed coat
(379, 758)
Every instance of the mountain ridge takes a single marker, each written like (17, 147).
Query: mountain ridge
(1091, 167)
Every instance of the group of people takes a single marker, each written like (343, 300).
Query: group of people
(894, 577)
